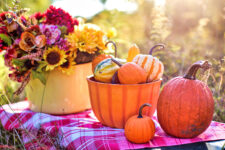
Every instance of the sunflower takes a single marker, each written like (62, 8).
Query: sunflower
(67, 67)
(87, 38)
(54, 57)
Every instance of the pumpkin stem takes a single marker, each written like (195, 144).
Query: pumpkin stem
(115, 61)
(191, 73)
(114, 45)
(162, 46)
(141, 108)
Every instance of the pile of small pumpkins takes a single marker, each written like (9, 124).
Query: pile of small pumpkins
(138, 68)
(185, 105)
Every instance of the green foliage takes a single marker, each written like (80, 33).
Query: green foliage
(18, 62)
(7, 86)
(6, 39)
(41, 66)
(39, 75)
(33, 5)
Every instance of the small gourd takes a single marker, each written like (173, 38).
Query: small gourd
(152, 65)
(101, 57)
(105, 70)
(130, 73)
(98, 59)
(133, 51)
(140, 128)
(185, 106)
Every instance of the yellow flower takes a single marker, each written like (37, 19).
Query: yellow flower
(111, 33)
(67, 67)
(54, 57)
(87, 38)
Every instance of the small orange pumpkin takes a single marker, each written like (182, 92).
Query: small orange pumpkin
(102, 57)
(130, 73)
(133, 51)
(139, 128)
(152, 65)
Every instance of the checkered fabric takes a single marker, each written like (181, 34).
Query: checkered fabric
(84, 131)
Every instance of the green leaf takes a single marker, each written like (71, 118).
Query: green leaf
(42, 64)
(18, 62)
(63, 30)
(6, 39)
(38, 75)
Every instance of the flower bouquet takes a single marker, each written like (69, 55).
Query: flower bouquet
(49, 54)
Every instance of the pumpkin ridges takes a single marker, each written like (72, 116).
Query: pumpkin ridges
(144, 62)
(155, 70)
(147, 128)
(109, 91)
(98, 103)
(136, 59)
(172, 102)
(151, 68)
(208, 104)
(124, 88)
(152, 126)
(180, 103)
(158, 72)
(165, 112)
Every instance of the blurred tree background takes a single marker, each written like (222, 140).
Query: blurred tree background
(191, 30)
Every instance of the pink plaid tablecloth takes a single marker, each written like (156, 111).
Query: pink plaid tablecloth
(84, 131)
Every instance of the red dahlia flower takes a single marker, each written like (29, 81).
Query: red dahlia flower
(9, 55)
(57, 16)
(38, 16)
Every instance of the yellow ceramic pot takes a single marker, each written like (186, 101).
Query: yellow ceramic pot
(62, 94)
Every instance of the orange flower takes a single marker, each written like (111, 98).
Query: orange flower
(27, 42)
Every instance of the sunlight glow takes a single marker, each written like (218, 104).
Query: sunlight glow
(88, 8)
(160, 2)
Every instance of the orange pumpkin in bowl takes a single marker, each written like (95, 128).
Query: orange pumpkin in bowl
(114, 104)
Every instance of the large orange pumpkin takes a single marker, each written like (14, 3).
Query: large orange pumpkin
(185, 106)
(140, 128)
(152, 65)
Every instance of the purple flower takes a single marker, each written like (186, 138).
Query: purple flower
(51, 32)
(17, 41)
(63, 44)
